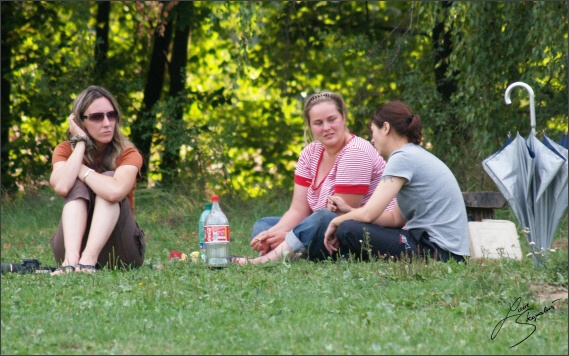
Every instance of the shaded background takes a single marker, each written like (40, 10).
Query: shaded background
(212, 92)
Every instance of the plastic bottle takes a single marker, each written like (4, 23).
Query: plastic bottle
(201, 230)
(217, 239)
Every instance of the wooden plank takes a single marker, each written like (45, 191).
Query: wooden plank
(487, 200)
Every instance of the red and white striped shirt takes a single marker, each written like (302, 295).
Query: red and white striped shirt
(357, 170)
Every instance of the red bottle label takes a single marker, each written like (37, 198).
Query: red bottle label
(215, 233)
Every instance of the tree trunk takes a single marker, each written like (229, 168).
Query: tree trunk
(143, 126)
(442, 45)
(102, 40)
(177, 70)
(446, 83)
(8, 183)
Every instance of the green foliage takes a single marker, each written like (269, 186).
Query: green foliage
(494, 45)
(252, 64)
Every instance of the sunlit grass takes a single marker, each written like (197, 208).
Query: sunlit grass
(279, 308)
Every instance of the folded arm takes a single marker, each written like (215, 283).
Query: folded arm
(111, 188)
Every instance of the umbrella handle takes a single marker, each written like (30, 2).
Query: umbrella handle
(531, 101)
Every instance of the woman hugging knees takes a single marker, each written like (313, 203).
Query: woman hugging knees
(96, 171)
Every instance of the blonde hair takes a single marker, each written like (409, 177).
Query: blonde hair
(318, 98)
(119, 142)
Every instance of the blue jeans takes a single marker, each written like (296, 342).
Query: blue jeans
(306, 236)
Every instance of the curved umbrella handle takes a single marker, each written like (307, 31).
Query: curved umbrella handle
(531, 101)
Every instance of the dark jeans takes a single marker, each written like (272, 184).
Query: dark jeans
(364, 239)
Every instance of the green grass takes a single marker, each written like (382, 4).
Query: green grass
(280, 308)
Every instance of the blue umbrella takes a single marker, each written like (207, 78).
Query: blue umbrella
(557, 195)
(511, 169)
(563, 141)
(532, 176)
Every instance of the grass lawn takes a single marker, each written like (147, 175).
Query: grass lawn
(279, 308)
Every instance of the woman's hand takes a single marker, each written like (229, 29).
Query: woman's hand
(338, 205)
(267, 240)
(330, 239)
(260, 245)
(74, 128)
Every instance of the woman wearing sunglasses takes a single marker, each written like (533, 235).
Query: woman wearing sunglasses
(96, 171)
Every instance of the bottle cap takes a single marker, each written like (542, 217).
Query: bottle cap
(207, 206)
(215, 198)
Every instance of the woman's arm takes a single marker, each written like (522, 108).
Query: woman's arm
(64, 173)
(351, 201)
(392, 218)
(298, 211)
(373, 210)
(111, 188)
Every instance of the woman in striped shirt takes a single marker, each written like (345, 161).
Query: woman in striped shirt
(335, 163)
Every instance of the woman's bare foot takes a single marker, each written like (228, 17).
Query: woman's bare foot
(240, 260)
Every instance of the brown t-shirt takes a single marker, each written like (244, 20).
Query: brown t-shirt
(130, 156)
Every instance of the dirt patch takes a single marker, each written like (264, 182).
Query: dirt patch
(561, 243)
(547, 293)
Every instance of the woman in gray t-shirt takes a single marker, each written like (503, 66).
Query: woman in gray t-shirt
(429, 217)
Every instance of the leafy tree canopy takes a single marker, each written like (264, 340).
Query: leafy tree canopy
(237, 127)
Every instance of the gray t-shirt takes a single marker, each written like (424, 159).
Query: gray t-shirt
(431, 198)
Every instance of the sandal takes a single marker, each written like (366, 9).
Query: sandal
(86, 268)
(63, 270)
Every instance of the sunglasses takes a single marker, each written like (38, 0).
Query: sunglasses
(100, 116)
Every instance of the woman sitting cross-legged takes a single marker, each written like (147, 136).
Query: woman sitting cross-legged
(337, 162)
(429, 200)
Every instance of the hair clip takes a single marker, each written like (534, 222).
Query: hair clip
(324, 94)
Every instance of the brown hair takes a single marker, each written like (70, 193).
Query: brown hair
(318, 98)
(401, 119)
(119, 142)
